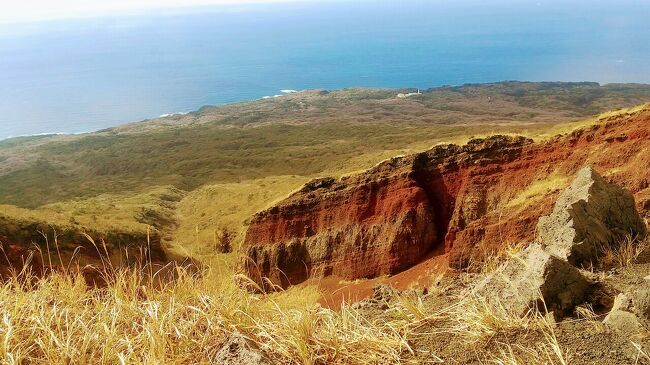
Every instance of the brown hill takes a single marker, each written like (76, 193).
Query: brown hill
(462, 202)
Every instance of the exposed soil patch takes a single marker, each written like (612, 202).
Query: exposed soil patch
(468, 200)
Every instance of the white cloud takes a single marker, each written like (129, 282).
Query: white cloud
(16, 11)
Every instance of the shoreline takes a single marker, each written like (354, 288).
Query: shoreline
(283, 92)
(287, 92)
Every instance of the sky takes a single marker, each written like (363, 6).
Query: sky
(41, 10)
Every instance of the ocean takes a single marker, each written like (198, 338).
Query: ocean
(72, 76)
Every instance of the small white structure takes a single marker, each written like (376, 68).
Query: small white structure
(401, 96)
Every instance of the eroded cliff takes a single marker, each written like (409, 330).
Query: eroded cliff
(461, 201)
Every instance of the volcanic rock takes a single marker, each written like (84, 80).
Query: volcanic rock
(239, 350)
(641, 300)
(460, 201)
(377, 223)
(589, 215)
(535, 278)
(621, 318)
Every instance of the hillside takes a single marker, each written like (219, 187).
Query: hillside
(460, 203)
(578, 294)
(362, 236)
(300, 134)
(262, 150)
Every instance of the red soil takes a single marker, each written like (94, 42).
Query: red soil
(335, 291)
(456, 200)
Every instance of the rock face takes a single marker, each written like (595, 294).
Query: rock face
(372, 224)
(538, 279)
(589, 215)
(461, 201)
(631, 310)
(378, 246)
(635, 301)
(641, 298)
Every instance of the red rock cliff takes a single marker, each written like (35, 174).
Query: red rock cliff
(463, 201)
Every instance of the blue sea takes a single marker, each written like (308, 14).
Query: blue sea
(82, 75)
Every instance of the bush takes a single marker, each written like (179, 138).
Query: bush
(224, 240)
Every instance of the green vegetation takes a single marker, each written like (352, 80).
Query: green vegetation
(193, 177)
(209, 209)
(231, 161)
(189, 157)
(303, 134)
(538, 189)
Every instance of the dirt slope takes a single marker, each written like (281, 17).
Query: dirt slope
(463, 201)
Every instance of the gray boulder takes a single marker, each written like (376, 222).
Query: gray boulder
(641, 300)
(535, 278)
(239, 350)
(589, 215)
(621, 318)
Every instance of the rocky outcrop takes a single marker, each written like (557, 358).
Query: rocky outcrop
(398, 229)
(589, 215)
(372, 224)
(631, 310)
(621, 318)
(461, 201)
(538, 279)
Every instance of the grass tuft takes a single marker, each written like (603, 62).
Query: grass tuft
(625, 253)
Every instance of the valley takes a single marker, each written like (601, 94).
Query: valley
(499, 223)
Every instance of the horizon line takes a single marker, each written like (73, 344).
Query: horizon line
(166, 9)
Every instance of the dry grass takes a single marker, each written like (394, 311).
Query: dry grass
(586, 313)
(210, 208)
(642, 354)
(491, 258)
(625, 253)
(545, 353)
(539, 189)
(59, 320)
(139, 318)
(478, 320)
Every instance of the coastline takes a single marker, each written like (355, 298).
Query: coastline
(283, 92)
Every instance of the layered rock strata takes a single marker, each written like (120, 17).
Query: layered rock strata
(461, 201)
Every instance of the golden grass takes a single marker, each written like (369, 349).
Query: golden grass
(492, 258)
(545, 353)
(586, 122)
(60, 321)
(480, 320)
(539, 189)
(205, 211)
(104, 213)
(625, 253)
(188, 319)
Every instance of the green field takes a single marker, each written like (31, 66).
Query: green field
(222, 164)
